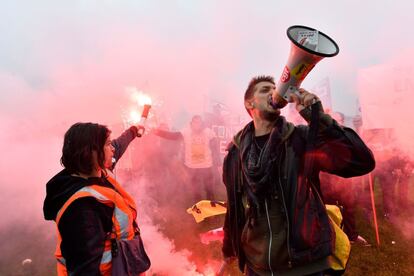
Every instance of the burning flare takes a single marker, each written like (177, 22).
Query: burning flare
(141, 104)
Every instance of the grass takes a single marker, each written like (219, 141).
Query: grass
(394, 255)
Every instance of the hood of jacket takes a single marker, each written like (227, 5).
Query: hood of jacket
(59, 189)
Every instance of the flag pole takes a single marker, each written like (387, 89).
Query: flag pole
(374, 211)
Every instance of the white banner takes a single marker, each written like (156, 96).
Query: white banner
(386, 99)
(385, 95)
(323, 90)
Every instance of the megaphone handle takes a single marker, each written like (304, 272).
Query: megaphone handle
(295, 90)
(292, 90)
(301, 96)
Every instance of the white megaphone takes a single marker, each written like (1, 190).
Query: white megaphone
(308, 47)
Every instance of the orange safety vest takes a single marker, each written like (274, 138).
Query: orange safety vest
(122, 220)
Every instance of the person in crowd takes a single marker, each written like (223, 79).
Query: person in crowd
(276, 222)
(201, 156)
(394, 174)
(91, 209)
(340, 191)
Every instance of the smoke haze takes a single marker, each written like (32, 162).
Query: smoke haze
(64, 62)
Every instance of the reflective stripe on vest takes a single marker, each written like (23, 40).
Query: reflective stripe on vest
(122, 220)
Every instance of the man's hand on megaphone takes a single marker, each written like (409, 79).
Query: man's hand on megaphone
(303, 99)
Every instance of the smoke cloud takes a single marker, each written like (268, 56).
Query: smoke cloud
(64, 62)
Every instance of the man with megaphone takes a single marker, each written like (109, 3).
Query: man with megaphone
(276, 222)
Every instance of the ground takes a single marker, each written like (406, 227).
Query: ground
(392, 257)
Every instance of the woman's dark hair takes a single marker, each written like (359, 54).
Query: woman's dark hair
(81, 140)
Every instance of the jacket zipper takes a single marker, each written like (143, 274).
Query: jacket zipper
(235, 213)
(286, 211)
(270, 237)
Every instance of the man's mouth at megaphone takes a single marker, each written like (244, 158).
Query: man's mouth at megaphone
(276, 101)
(271, 103)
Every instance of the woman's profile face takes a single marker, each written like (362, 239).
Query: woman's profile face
(109, 152)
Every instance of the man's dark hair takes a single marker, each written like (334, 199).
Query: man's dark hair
(80, 141)
(255, 80)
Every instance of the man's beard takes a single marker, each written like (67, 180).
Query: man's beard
(270, 116)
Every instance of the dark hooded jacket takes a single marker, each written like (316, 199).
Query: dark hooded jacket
(309, 237)
(86, 222)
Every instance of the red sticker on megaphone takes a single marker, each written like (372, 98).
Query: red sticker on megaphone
(285, 75)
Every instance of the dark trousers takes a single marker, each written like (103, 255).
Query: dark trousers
(395, 192)
(341, 193)
(202, 183)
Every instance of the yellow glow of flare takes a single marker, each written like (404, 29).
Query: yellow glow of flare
(134, 117)
(141, 98)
